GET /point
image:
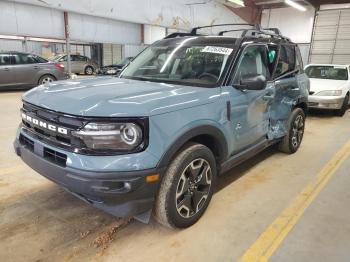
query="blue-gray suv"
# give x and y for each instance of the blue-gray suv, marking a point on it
(154, 139)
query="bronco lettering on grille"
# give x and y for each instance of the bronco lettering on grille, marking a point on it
(43, 124)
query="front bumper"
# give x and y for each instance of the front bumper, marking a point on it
(122, 194)
(325, 102)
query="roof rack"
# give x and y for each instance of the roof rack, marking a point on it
(265, 31)
(256, 31)
(194, 30)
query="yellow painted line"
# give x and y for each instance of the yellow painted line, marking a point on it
(10, 170)
(272, 237)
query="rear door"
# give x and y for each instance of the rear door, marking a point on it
(290, 86)
(81, 62)
(26, 68)
(7, 74)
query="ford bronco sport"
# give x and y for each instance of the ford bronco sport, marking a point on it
(154, 139)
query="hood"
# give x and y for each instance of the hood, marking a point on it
(317, 85)
(111, 96)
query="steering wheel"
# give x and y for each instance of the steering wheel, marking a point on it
(208, 75)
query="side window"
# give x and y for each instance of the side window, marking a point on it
(253, 61)
(81, 58)
(286, 62)
(5, 59)
(272, 57)
(299, 61)
(23, 59)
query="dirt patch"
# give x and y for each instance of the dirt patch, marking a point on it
(107, 236)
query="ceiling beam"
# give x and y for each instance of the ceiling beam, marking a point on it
(251, 13)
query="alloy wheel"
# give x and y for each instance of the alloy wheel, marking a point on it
(89, 71)
(47, 80)
(193, 188)
(297, 131)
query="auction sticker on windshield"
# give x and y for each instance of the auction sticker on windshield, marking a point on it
(217, 50)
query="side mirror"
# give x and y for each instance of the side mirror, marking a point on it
(253, 82)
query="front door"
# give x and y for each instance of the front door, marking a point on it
(249, 108)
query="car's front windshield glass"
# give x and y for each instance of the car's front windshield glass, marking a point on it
(327, 72)
(199, 65)
(124, 61)
(55, 58)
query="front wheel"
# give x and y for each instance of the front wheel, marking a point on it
(342, 110)
(186, 188)
(46, 79)
(89, 70)
(295, 132)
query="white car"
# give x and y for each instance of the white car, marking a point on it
(329, 87)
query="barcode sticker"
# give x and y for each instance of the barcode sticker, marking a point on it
(217, 50)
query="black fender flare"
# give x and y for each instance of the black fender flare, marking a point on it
(179, 142)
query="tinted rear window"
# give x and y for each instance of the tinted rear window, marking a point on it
(21, 59)
(327, 72)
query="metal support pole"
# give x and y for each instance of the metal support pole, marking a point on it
(66, 30)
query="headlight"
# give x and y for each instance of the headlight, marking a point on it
(330, 93)
(111, 136)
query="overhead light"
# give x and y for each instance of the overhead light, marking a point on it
(295, 5)
(237, 2)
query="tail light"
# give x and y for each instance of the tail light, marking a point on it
(60, 66)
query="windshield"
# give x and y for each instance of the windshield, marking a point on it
(125, 61)
(56, 58)
(327, 72)
(180, 64)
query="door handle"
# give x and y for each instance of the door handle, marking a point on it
(268, 97)
(6, 69)
(36, 67)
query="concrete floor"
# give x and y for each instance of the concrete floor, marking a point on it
(41, 222)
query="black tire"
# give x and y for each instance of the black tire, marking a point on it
(46, 79)
(89, 70)
(179, 193)
(295, 126)
(342, 110)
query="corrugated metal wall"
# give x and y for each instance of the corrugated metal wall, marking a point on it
(13, 45)
(101, 30)
(112, 54)
(132, 50)
(29, 20)
(331, 37)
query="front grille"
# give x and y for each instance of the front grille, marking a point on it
(58, 118)
(35, 118)
(55, 157)
(53, 137)
(28, 143)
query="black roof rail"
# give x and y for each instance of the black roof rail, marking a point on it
(221, 33)
(275, 30)
(256, 31)
(194, 30)
(173, 35)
